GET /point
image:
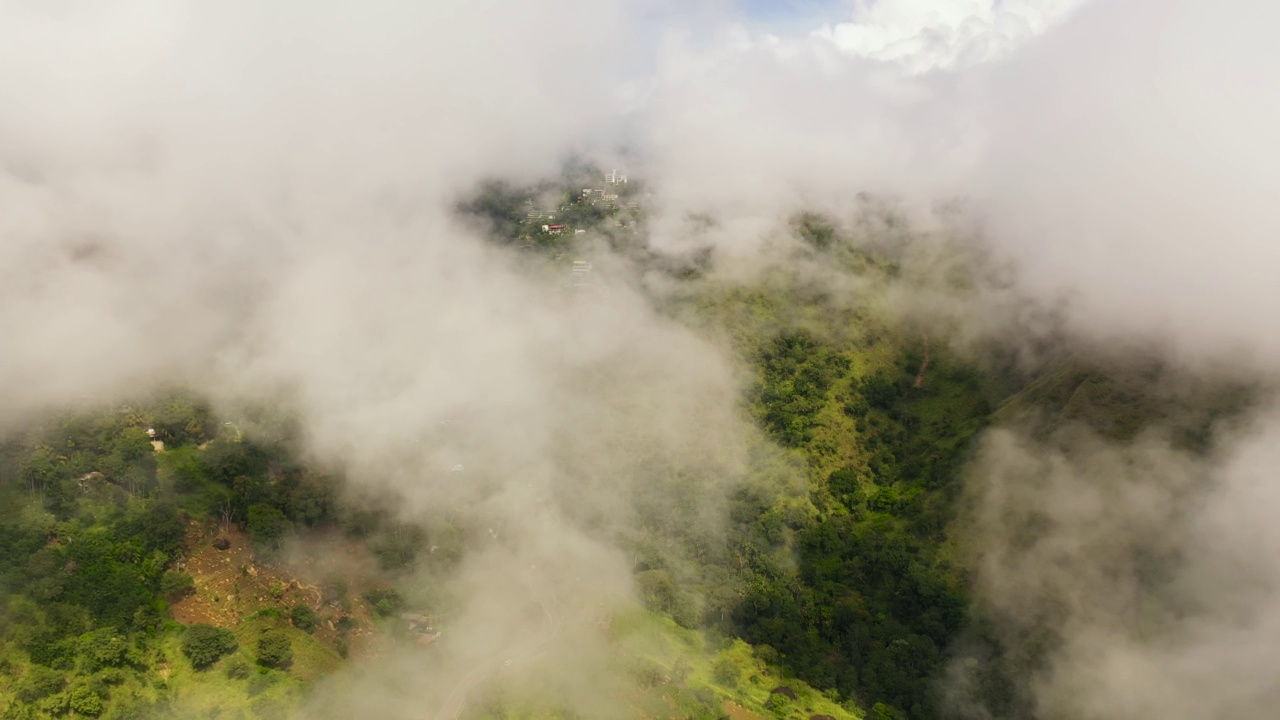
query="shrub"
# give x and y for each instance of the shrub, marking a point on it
(777, 704)
(55, 704)
(767, 654)
(238, 669)
(303, 617)
(260, 682)
(174, 584)
(881, 711)
(274, 649)
(103, 648)
(649, 675)
(85, 701)
(880, 392)
(110, 676)
(204, 645)
(40, 682)
(657, 590)
(384, 601)
(726, 672)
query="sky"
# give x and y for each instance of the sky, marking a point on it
(918, 35)
(793, 14)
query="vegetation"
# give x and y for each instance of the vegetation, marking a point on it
(384, 601)
(204, 645)
(872, 604)
(275, 650)
(93, 523)
(303, 617)
(176, 584)
(687, 673)
(238, 669)
(834, 576)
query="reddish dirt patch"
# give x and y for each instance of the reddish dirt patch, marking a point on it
(231, 585)
(228, 583)
(737, 712)
(924, 365)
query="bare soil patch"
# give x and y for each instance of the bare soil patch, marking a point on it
(737, 712)
(232, 584)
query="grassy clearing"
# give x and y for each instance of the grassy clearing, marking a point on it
(311, 658)
(263, 693)
(658, 670)
(729, 672)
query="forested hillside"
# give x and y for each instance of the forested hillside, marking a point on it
(160, 559)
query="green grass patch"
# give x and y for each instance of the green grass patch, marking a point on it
(723, 671)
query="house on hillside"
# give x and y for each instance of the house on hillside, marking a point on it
(535, 213)
(553, 229)
(420, 625)
(416, 623)
(579, 270)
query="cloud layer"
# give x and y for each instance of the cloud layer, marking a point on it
(924, 35)
(255, 198)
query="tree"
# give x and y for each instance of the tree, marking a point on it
(40, 469)
(130, 462)
(158, 527)
(175, 584)
(205, 644)
(225, 460)
(726, 672)
(657, 590)
(182, 421)
(275, 649)
(778, 705)
(267, 525)
(40, 682)
(84, 701)
(384, 601)
(226, 514)
(104, 648)
(881, 711)
(303, 617)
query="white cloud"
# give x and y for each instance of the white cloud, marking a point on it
(924, 35)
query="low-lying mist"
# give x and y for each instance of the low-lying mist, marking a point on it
(260, 202)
